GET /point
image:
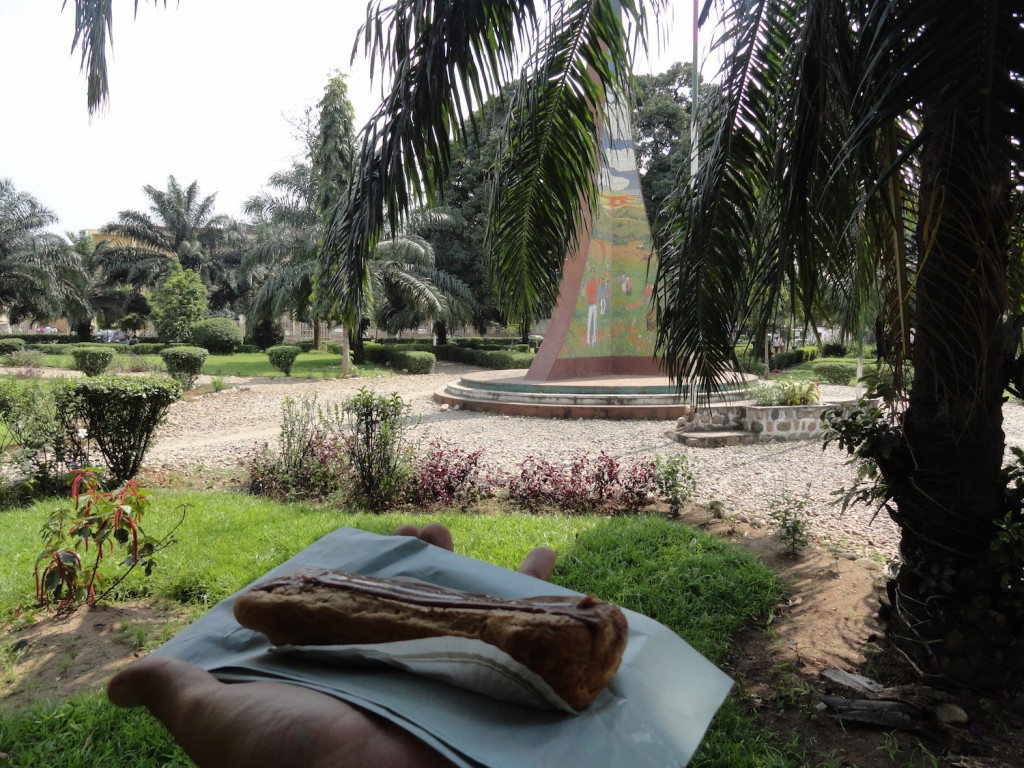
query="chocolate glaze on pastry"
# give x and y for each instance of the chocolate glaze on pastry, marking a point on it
(574, 643)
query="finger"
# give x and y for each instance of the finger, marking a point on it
(438, 535)
(539, 563)
(158, 685)
(406, 530)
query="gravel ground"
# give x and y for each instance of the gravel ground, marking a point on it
(218, 430)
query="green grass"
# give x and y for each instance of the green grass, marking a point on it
(701, 587)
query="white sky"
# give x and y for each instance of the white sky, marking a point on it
(200, 90)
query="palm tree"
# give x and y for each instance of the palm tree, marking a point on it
(180, 223)
(38, 270)
(283, 257)
(872, 149)
(406, 287)
(866, 146)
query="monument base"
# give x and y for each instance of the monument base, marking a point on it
(599, 397)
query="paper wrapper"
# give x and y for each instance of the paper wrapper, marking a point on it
(460, 661)
(654, 712)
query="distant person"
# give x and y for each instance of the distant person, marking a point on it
(592, 289)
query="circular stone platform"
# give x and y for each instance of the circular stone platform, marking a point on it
(599, 397)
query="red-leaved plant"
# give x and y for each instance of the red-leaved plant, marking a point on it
(100, 521)
(448, 475)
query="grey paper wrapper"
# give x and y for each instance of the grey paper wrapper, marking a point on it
(654, 713)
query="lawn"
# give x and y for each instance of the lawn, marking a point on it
(703, 588)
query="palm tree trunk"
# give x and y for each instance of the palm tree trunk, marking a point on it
(346, 364)
(951, 613)
(316, 333)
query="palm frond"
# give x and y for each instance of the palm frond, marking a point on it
(437, 57)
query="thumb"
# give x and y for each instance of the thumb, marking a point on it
(161, 685)
(539, 563)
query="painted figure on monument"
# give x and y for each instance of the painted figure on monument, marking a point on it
(604, 321)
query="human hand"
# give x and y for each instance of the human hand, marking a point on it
(279, 725)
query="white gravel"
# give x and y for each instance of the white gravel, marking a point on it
(219, 430)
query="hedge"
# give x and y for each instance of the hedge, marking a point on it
(11, 345)
(414, 358)
(793, 357)
(835, 373)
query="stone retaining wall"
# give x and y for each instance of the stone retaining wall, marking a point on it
(773, 422)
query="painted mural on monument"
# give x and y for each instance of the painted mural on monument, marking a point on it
(614, 315)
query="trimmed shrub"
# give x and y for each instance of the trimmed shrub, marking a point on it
(120, 414)
(833, 349)
(217, 335)
(419, 362)
(92, 360)
(246, 349)
(184, 364)
(755, 367)
(147, 348)
(835, 373)
(414, 358)
(504, 359)
(782, 360)
(305, 345)
(283, 357)
(7, 346)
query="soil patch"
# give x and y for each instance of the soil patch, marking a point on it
(829, 619)
(61, 654)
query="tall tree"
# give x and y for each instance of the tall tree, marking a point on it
(661, 124)
(181, 225)
(38, 270)
(874, 148)
(281, 262)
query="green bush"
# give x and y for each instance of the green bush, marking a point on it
(283, 357)
(793, 357)
(306, 345)
(147, 348)
(264, 334)
(217, 335)
(11, 345)
(378, 450)
(833, 349)
(501, 359)
(48, 349)
(419, 362)
(184, 364)
(246, 349)
(755, 367)
(120, 414)
(835, 373)
(92, 360)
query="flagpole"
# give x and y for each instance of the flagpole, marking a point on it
(694, 83)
